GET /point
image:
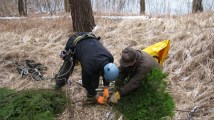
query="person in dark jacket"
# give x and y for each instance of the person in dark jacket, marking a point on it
(95, 61)
(134, 65)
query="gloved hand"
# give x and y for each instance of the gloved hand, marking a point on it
(63, 54)
(105, 92)
(115, 97)
(101, 99)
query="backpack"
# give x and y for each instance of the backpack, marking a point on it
(158, 50)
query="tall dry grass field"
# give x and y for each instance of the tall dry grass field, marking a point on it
(190, 63)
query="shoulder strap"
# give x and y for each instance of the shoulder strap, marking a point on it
(82, 37)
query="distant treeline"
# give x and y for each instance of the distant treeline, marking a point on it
(24, 7)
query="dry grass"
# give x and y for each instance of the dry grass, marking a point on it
(36, 39)
(190, 63)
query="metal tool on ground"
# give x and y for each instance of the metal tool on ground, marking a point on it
(31, 69)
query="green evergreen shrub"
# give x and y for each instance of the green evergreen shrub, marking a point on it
(31, 104)
(149, 102)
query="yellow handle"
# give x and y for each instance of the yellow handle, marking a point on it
(117, 95)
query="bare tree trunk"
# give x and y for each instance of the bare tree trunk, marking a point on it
(22, 7)
(82, 16)
(48, 3)
(67, 5)
(197, 6)
(25, 7)
(142, 6)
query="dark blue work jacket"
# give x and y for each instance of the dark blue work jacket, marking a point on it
(93, 56)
